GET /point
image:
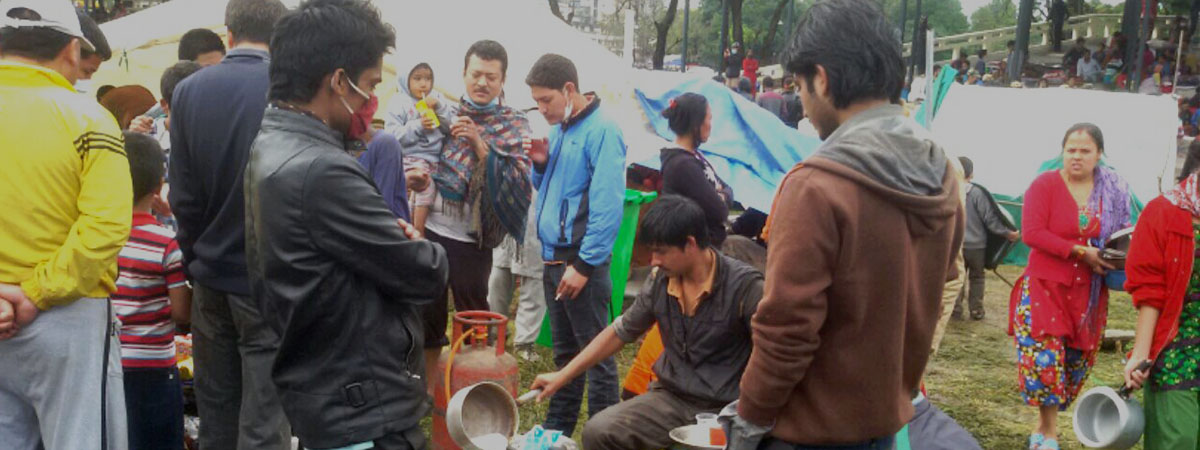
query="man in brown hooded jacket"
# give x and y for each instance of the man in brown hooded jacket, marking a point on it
(863, 235)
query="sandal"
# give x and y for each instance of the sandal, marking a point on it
(1049, 444)
(1036, 440)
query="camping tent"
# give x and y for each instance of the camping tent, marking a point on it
(1012, 135)
(437, 32)
(749, 147)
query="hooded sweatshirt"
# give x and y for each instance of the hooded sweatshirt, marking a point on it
(404, 122)
(864, 235)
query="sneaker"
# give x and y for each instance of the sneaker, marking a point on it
(977, 315)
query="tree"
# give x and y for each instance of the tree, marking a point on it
(662, 28)
(735, 22)
(997, 14)
(557, 13)
(945, 16)
(768, 46)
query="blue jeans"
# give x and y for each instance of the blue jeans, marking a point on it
(887, 443)
(574, 323)
(154, 406)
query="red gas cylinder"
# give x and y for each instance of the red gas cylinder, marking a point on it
(471, 360)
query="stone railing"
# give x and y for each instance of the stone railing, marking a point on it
(1087, 26)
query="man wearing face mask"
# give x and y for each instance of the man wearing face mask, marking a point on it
(336, 274)
(215, 114)
(67, 209)
(580, 177)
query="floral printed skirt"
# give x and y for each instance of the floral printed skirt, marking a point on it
(1050, 373)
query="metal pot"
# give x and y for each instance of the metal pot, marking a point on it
(1108, 418)
(479, 410)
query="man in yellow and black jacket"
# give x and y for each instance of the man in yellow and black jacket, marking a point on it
(65, 210)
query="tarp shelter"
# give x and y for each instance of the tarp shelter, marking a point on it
(749, 147)
(437, 32)
(1012, 135)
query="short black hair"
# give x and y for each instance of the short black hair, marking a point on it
(488, 50)
(36, 43)
(768, 83)
(1012, 43)
(253, 20)
(552, 71)
(320, 37)
(686, 115)
(103, 90)
(1092, 131)
(92, 32)
(854, 42)
(670, 220)
(173, 75)
(967, 165)
(199, 41)
(982, 52)
(147, 164)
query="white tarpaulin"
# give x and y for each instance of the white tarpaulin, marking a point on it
(437, 32)
(1008, 133)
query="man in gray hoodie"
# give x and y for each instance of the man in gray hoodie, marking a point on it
(983, 219)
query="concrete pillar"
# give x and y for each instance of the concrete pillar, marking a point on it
(956, 54)
(630, 24)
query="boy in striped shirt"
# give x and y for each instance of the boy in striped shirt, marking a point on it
(152, 296)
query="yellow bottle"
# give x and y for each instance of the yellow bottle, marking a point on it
(426, 111)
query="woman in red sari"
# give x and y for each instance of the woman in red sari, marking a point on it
(1059, 306)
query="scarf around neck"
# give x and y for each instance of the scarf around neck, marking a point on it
(506, 167)
(1110, 196)
(1184, 195)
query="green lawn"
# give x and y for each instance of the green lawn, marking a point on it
(973, 378)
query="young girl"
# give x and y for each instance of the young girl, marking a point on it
(420, 136)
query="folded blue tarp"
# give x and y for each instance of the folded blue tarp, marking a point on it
(749, 147)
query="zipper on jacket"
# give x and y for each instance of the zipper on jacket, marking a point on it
(562, 221)
(412, 344)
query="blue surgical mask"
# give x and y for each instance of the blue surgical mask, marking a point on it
(494, 102)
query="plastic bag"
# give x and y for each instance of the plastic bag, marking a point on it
(542, 439)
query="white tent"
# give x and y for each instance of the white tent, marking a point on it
(1009, 133)
(437, 32)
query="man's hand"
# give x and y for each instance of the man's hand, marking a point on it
(409, 230)
(416, 180)
(465, 128)
(160, 206)
(141, 124)
(571, 285)
(1014, 236)
(549, 383)
(538, 150)
(431, 101)
(23, 308)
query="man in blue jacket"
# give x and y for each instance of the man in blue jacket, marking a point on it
(215, 115)
(580, 178)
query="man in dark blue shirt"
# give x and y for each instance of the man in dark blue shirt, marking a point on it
(215, 115)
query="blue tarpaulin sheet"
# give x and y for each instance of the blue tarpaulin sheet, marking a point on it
(749, 147)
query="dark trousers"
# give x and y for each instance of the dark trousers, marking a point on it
(644, 421)
(154, 408)
(974, 259)
(574, 323)
(887, 443)
(470, 268)
(233, 349)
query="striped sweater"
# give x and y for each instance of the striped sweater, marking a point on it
(149, 265)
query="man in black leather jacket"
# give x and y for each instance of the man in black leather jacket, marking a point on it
(330, 267)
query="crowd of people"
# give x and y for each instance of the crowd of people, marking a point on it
(314, 256)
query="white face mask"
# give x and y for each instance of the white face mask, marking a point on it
(83, 86)
(569, 109)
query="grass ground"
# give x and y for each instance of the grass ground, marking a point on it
(972, 378)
